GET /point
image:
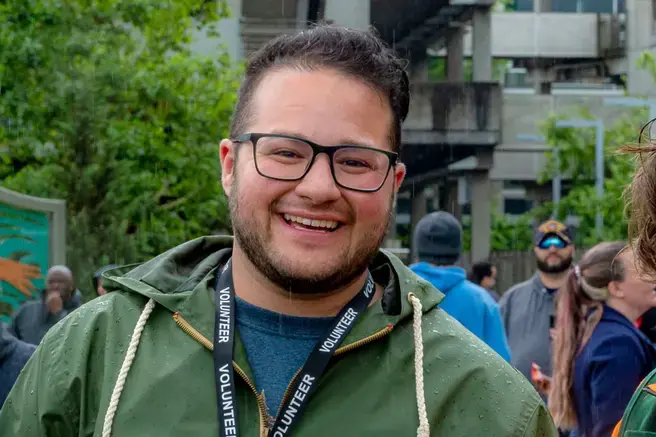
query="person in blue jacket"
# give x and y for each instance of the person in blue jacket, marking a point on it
(600, 356)
(438, 246)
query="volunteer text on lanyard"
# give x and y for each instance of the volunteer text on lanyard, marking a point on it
(307, 380)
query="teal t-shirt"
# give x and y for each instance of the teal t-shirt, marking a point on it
(276, 346)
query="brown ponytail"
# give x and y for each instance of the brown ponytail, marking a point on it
(579, 309)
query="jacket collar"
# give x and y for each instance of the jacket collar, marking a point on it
(613, 316)
(391, 309)
(537, 283)
(182, 281)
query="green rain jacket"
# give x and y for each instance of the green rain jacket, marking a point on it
(639, 418)
(368, 388)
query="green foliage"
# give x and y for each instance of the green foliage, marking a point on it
(505, 5)
(576, 160)
(647, 62)
(102, 104)
(576, 148)
(508, 234)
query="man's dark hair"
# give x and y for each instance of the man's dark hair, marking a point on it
(478, 271)
(358, 54)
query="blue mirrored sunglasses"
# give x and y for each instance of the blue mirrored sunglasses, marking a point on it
(556, 242)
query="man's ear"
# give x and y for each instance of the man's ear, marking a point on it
(399, 175)
(227, 150)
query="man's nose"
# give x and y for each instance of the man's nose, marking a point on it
(318, 185)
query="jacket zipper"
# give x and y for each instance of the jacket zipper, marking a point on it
(193, 333)
(340, 351)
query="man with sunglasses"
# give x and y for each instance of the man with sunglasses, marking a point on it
(528, 308)
(300, 325)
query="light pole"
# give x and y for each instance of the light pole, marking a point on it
(557, 180)
(598, 124)
(634, 102)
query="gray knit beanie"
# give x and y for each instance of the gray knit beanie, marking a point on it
(438, 238)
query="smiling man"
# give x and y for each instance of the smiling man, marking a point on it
(300, 325)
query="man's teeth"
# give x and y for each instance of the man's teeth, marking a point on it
(328, 224)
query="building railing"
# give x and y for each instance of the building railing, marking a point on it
(455, 107)
(256, 32)
(528, 35)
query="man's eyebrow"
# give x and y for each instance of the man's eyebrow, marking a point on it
(287, 132)
(354, 142)
(342, 141)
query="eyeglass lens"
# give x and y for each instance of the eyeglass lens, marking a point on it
(288, 159)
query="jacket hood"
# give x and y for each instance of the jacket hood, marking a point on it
(170, 278)
(442, 278)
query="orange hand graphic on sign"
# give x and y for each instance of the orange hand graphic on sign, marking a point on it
(19, 275)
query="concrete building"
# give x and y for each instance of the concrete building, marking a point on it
(449, 121)
(460, 139)
(560, 55)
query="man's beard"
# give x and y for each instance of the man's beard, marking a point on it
(560, 267)
(252, 241)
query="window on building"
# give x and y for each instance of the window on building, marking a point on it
(565, 5)
(403, 204)
(523, 5)
(513, 185)
(514, 206)
(599, 6)
(573, 6)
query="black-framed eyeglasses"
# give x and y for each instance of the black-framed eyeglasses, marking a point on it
(288, 158)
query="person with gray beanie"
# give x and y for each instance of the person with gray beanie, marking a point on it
(437, 243)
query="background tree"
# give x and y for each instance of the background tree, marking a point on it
(505, 5)
(102, 104)
(576, 148)
(577, 160)
(507, 235)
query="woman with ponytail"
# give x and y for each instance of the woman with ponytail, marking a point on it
(600, 357)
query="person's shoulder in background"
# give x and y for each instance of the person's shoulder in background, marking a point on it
(515, 290)
(14, 354)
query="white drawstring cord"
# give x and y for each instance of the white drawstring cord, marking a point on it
(125, 368)
(423, 430)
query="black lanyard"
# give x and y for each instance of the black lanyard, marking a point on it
(307, 380)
